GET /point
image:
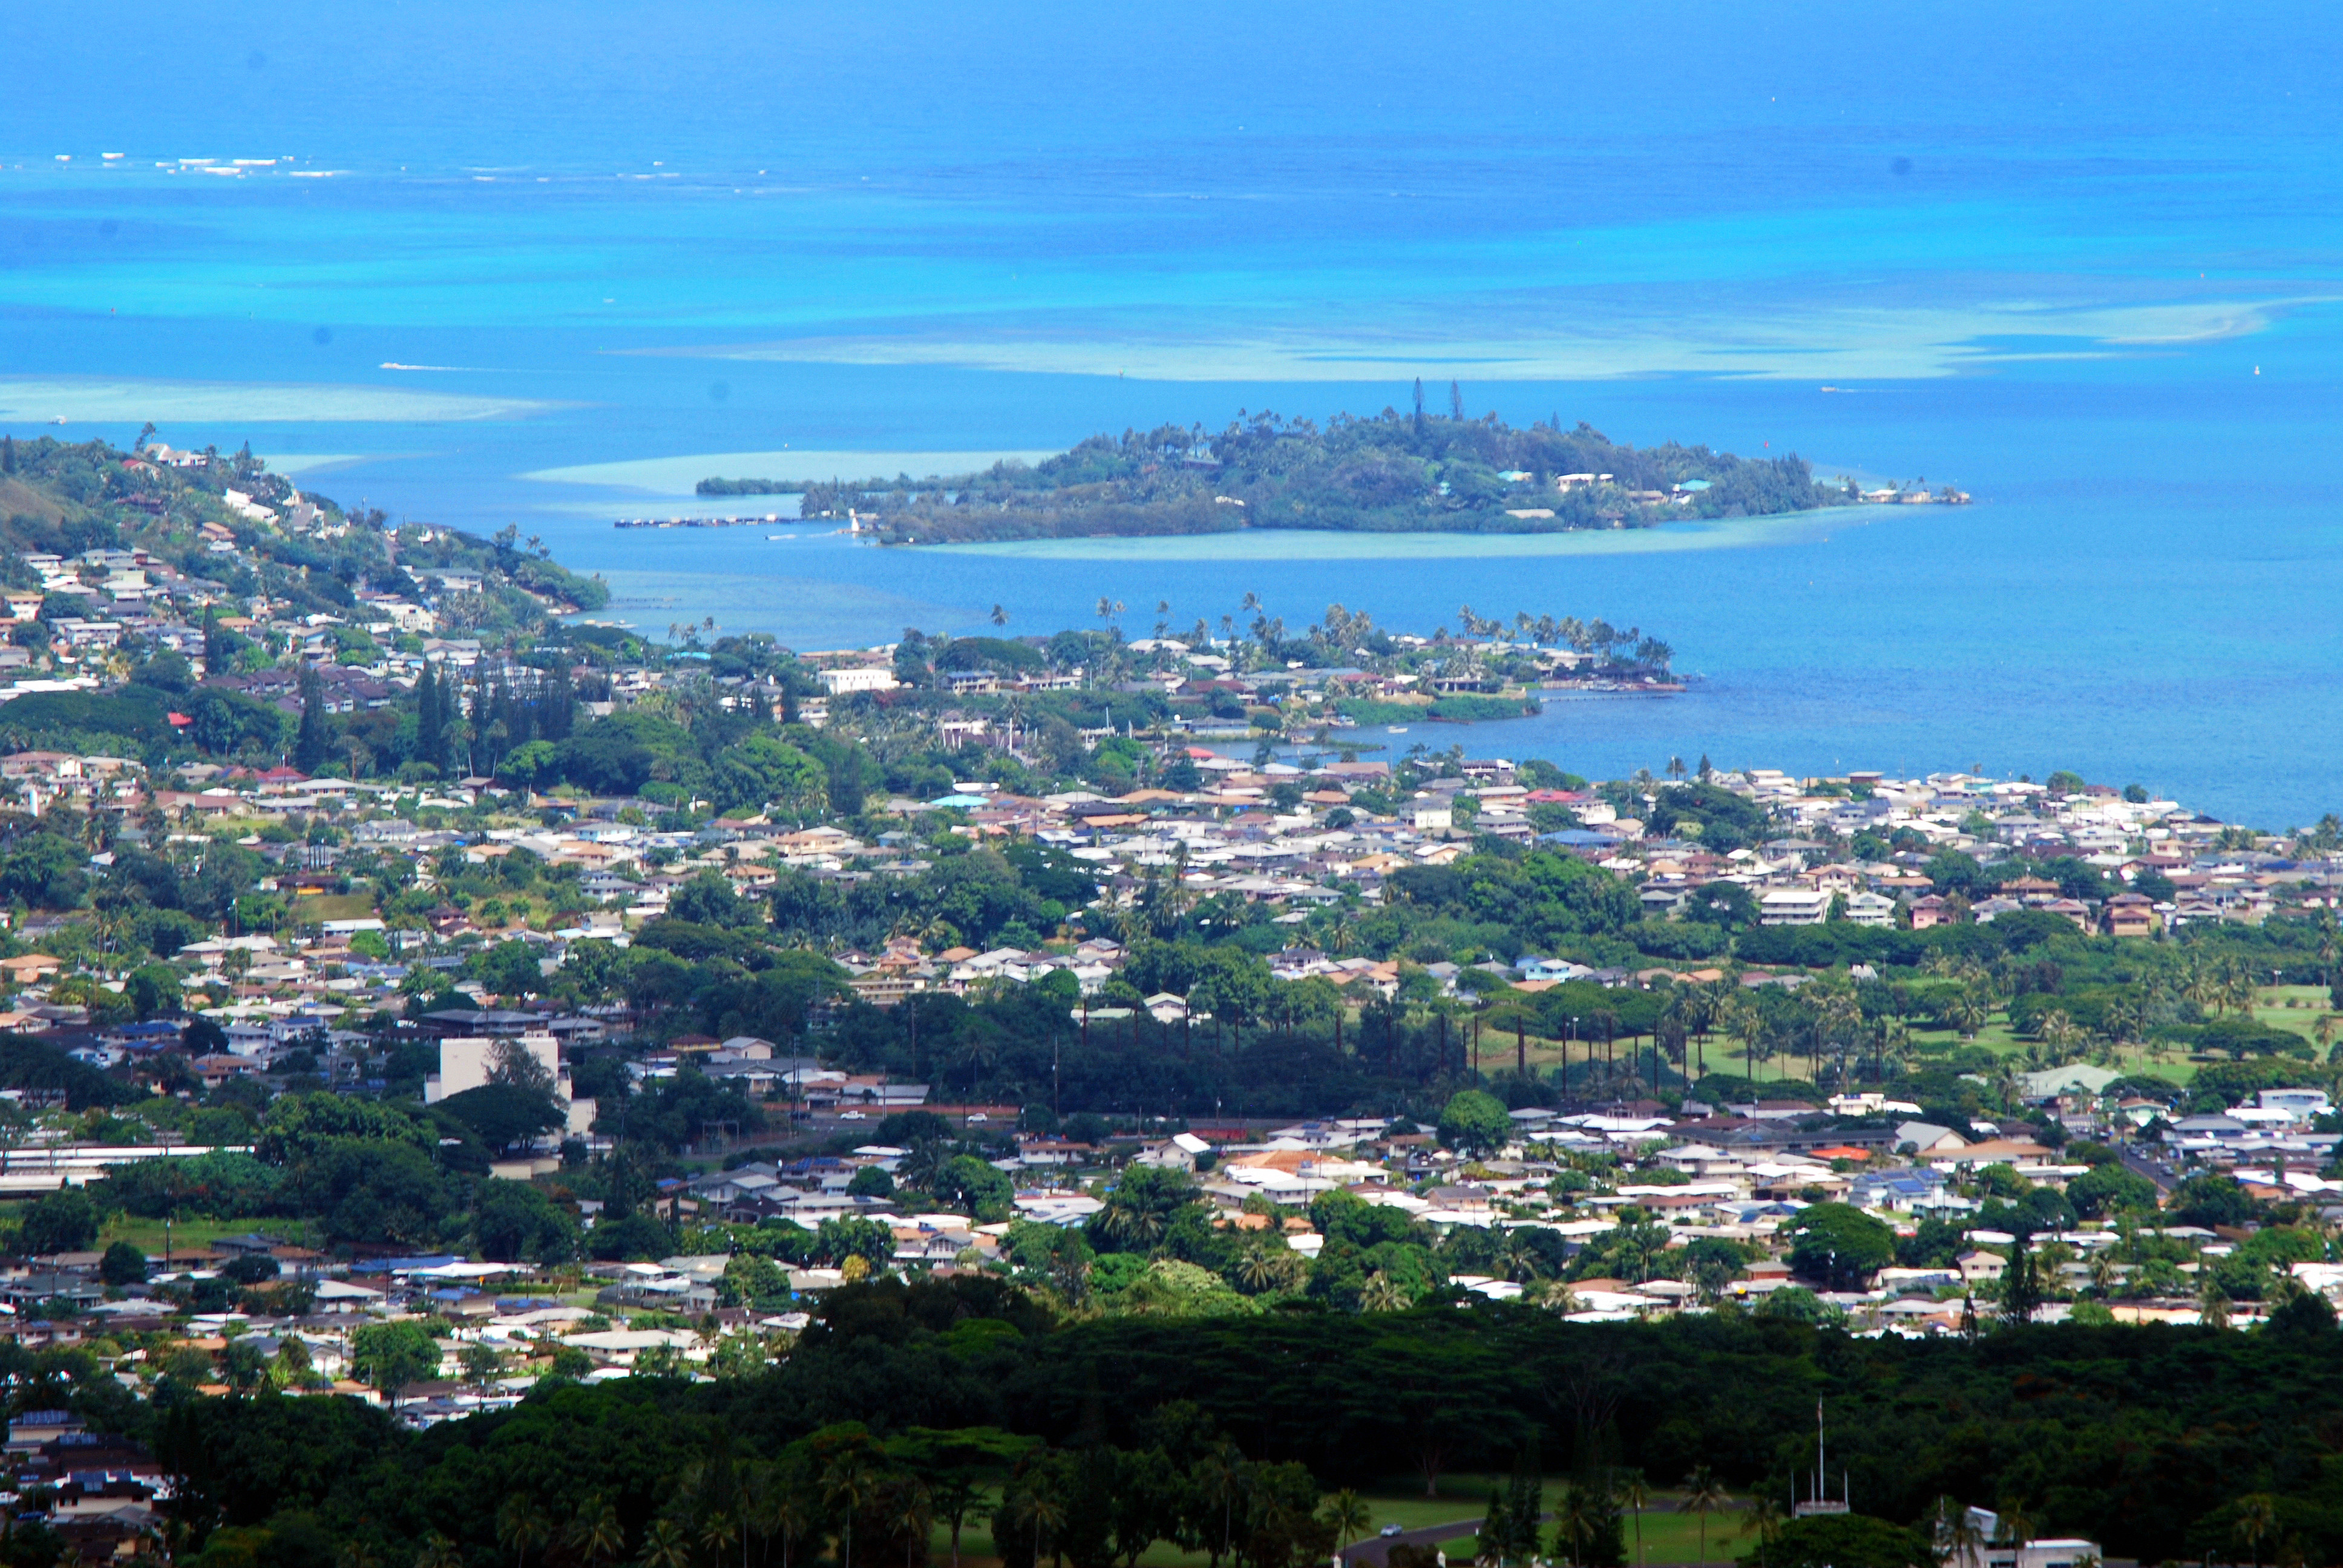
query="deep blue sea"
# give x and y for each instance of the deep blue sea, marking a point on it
(547, 265)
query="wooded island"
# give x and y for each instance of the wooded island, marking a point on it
(1392, 473)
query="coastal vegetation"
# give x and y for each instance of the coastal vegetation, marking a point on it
(1389, 472)
(749, 486)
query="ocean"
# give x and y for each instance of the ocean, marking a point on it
(547, 265)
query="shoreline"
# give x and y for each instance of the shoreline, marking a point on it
(1351, 544)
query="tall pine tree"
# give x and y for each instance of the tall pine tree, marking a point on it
(309, 744)
(427, 716)
(560, 705)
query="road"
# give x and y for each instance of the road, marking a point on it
(1376, 1550)
(2158, 1170)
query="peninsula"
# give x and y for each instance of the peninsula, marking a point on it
(1393, 473)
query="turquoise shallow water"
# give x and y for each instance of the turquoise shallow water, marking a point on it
(2081, 264)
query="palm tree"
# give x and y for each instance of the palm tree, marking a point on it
(1256, 1271)
(1700, 1006)
(437, 1552)
(911, 1510)
(1959, 1542)
(1630, 1492)
(1133, 1222)
(522, 1527)
(2060, 1034)
(1520, 1260)
(778, 1506)
(2200, 985)
(2016, 1526)
(1382, 1294)
(1741, 1021)
(1575, 1521)
(665, 1545)
(1223, 1474)
(982, 1052)
(1967, 1011)
(1705, 1495)
(2236, 987)
(1040, 1507)
(716, 1532)
(1348, 1515)
(596, 1535)
(2257, 1522)
(845, 1484)
(2213, 1304)
(1765, 1520)
(2125, 1017)
(924, 1162)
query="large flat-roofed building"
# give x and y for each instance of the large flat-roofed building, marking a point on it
(468, 1061)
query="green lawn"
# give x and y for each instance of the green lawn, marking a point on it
(1668, 1538)
(334, 907)
(1996, 1038)
(195, 1235)
(2310, 1004)
(1675, 1537)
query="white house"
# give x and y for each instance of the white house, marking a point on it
(1793, 907)
(2299, 1104)
(1869, 909)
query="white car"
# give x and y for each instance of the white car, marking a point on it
(1388, 1530)
(852, 1116)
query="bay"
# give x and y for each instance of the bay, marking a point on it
(2082, 263)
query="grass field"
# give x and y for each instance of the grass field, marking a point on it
(1721, 1054)
(2309, 1002)
(195, 1235)
(1668, 1538)
(334, 907)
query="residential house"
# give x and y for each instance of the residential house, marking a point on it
(1793, 907)
(1870, 909)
